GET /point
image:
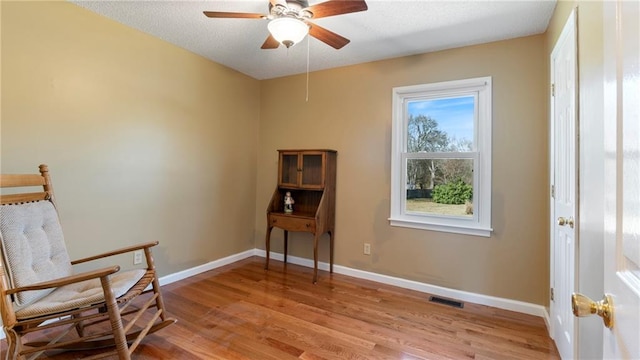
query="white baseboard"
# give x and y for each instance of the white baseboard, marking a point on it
(547, 322)
(500, 303)
(180, 275)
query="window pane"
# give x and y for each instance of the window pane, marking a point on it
(440, 187)
(441, 125)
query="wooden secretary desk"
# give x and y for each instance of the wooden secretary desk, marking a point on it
(310, 177)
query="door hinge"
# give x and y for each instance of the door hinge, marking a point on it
(553, 191)
(552, 296)
(553, 89)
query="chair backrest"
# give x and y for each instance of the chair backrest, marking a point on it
(31, 240)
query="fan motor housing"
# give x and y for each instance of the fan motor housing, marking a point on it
(294, 8)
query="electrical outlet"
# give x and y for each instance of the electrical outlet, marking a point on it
(367, 249)
(137, 257)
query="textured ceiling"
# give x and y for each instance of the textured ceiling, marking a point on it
(388, 29)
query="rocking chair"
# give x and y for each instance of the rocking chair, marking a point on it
(41, 296)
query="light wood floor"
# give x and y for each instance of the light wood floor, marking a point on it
(242, 312)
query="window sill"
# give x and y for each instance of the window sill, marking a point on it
(456, 229)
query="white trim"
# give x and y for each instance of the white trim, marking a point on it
(181, 275)
(500, 303)
(547, 322)
(458, 229)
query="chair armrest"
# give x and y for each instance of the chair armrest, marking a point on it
(116, 252)
(88, 275)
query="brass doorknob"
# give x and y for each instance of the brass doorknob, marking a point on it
(562, 221)
(583, 306)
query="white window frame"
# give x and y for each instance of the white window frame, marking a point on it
(480, 223)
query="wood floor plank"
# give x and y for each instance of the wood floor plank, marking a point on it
(241, 311)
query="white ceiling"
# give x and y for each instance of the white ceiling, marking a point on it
(388, 29)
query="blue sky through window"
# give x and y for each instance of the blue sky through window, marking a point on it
(454, 115)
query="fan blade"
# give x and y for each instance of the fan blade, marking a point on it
(234, 15)
(336, 7)
(270, 43)
(328, 37)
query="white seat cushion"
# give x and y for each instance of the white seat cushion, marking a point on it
(79, 295)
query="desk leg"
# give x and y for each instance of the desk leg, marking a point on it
(331, 242)
(286, 245)
(268, 246)
(315, 257)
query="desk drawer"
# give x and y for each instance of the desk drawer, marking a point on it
(291, 223)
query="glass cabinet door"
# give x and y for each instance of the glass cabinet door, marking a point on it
(312, 170)
(289, 169)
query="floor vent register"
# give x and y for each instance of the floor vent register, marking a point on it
(444, 301)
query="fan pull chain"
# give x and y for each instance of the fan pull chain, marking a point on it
(308, 46)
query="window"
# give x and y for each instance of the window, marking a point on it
(441, 157)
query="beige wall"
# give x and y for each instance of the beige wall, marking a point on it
(145, 141)
(349, 109)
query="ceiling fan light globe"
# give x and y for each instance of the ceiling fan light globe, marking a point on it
(288, 31)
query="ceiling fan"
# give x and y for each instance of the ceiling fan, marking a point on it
(289, 20)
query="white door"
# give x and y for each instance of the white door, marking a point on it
(563, 183)
(622, 177)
